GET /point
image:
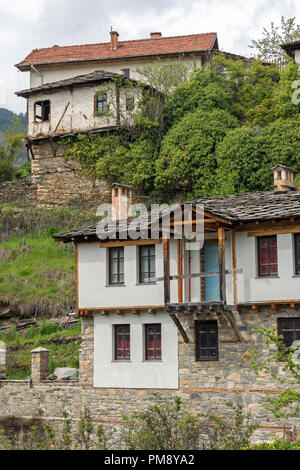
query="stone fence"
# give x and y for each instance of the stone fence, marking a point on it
(16, 190)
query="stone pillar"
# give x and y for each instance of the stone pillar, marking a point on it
(39, 364)
(2, 360)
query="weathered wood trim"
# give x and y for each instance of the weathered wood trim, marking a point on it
(269, 225)
(77, 279)
(179, 269)
(221, 244)
(117, 243)
(166, 251)
(120, 310)
(234, 326)
(234, 267)
(180, 327)
(275, 231)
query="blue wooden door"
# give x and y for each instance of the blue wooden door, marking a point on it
(211, 264)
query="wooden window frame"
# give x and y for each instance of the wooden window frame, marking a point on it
(119, 273)
(124, 335)
(101, 98)
(157, 351)
(125, 73)
(297, 258)
(130, 104)
(280, 329)
(199, 358)
(259, 265)
(42, 105)
(141, 249)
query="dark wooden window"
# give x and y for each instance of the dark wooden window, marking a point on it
(207, 341)
(125, 73)
(267, 256)
(116, 265)
(42, 111)
(146, 263)
(289, 328)
(122, 342)
(297, 253)
(130, 103)
(153, 342)
(101, 104)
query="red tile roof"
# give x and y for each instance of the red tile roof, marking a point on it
(126, 49)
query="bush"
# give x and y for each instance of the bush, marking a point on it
(47, 327)
(6, 171)
(278, 444)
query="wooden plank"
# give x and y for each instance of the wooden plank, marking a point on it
(166, 251)
(179, 268)
(275, 231)
(76, 280)
(64, 112)
(261, 226)
(221, 244)
(180, 327)
(117, 243)
(234, 326)
(234, 264)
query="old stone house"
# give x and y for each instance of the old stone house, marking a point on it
(61, 100)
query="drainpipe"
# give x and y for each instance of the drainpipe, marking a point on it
(40, 73)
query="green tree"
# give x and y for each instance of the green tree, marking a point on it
(187, 161)
(268, 46)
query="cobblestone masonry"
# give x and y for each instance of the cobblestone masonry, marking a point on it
(203, 386)
(58, 179)
(14, 190)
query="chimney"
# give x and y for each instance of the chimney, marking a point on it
(283, 178)
(114, 40)
(155, 35)
(121, 201)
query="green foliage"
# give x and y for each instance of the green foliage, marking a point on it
(286, 403)
(47, 327)
(6, 170)
(187, 158)
(24, 171)
(277, 444)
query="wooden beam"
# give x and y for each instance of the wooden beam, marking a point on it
(166, 251)
(221, 244)
(179, 269)
(76, 280)
(234, 326)
(278, 231)
(180, 327)
(234, 264)
(117, 243)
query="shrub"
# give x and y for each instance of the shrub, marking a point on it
(47, 327)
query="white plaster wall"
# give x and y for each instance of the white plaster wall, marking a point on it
(297, 56)
(94, 291)
(136, 373)
(252, 288)
(79, 115)
(61, 72)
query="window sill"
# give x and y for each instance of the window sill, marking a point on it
(148, 283)
(115, 285)
(296, 275)
(121, 361)
(267, 277)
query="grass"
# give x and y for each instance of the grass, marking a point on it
(19, 347)
(37, 275)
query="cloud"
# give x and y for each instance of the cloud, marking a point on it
(25, 25)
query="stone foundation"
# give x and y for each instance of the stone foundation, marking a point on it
(203, 386)
(59, 180)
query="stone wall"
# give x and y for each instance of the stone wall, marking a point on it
(203, 386)
(59, 180)
(15, 190)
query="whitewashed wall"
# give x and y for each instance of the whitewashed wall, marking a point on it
(253, 288)
(79, 115)
(55, 73)
(94, 291)
(136, 373)
(297, 56)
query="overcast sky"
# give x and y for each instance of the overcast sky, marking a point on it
(30, 24)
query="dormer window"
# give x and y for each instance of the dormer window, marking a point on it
(42, 111)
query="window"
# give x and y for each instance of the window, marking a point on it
(289, 328)
(122, 342)
(42, 111)
(125, 73)
(267, 256)
(153, 342)
(297, 253)
(130, 103)
(101, 105)
(146, 263)
(207, 341)
(116, 265)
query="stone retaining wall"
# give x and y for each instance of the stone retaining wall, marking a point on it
(15, 190)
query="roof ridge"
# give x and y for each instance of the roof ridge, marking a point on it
(121, 42)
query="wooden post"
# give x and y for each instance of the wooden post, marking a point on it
(221, 241)
(179, 265)
(166, 245)
(234, 267)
